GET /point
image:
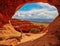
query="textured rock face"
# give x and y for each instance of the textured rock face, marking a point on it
(54, 27)
(7, 8)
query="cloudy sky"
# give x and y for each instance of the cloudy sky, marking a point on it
(36, 11)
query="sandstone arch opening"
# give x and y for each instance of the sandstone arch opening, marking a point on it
(39, 13)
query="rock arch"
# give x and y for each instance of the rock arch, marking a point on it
(9, 7)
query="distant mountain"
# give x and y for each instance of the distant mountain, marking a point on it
(40, 20)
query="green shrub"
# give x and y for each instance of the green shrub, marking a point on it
(34, 30)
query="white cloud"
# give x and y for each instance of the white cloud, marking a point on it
(41, 13)
(48, 12)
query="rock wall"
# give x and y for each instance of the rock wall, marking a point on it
(54, 27)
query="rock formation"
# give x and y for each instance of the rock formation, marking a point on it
(9, 7)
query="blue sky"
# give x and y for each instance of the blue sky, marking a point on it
(36, 11)
(31, 6)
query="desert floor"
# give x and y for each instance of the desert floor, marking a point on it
(42, 23)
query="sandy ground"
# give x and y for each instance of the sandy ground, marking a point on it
(32, 37)
(41, 23)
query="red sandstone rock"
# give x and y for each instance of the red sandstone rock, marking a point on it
(25, 25)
